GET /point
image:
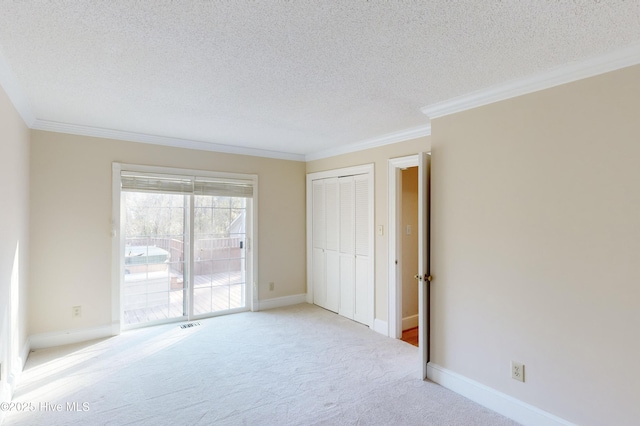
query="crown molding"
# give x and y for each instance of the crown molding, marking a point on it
(566, 74)
(387, 139)
(74, 129)
(15, 93)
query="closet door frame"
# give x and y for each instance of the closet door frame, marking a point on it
(366, 169)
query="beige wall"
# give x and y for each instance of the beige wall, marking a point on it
(409, 242)
(14, 242)
(71, 222)
(536, 247)
(379, 157)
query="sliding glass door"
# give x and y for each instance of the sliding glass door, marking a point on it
(184, 246)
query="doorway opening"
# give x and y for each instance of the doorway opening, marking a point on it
(400, 315)
(407, 237)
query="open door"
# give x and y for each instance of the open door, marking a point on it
(423, 162)
(424, 276)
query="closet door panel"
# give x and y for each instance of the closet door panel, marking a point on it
(362, 225)
(319, 286)
(347, 215)
(319, 220)
(331, 214)
(361, 287)
(332, 257)
(347, 247)
(332, 280)
(318, 244)
(347, 285)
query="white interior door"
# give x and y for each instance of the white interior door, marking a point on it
(424, 172)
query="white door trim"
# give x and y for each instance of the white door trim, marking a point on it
(420, 160)
(395, 248)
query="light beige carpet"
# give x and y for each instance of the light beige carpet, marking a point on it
(299, 365)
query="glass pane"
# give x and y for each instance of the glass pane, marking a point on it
(203, 218)
(236, 296)
(220, 295)
(201, 300)
(153, 256)
(221, 202)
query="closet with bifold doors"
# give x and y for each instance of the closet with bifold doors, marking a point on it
(341, 244)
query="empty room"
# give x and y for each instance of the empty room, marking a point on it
(319, 213)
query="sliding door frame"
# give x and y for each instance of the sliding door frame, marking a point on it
(117, 239)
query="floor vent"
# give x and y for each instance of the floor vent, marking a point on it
(190, 324)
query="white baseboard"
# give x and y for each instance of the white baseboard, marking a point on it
(59, 338)
(499, 402)
(279, 302)
(410, 322)
(381, 327)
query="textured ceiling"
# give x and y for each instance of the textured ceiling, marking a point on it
(288, 76)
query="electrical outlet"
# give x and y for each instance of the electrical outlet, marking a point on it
(76, 311)
(272, 285)
(517, 371)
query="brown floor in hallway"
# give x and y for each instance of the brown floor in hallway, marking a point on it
(411, 336)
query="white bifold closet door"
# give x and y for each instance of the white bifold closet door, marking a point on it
(341, 233)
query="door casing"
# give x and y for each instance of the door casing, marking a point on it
(395, 165)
